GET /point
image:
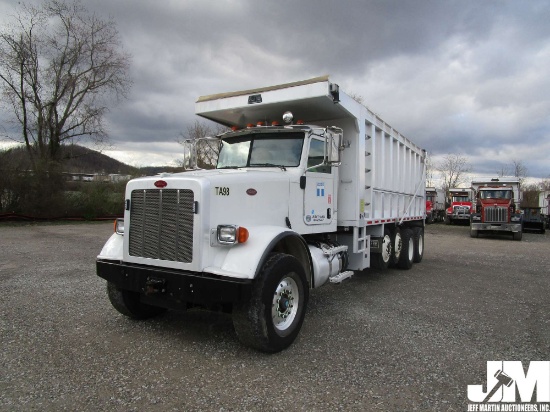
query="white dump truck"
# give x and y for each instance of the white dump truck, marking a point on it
(309, 187)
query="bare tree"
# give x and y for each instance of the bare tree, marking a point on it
(59, 67)
(516, 169)
(520, 171)
(453, 170)
(429, 170)
(503, 171)
(207, 150)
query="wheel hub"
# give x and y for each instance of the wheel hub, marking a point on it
(285, 303)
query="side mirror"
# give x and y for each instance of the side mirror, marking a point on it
(333, 146)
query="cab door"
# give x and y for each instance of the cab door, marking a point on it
(319, 199)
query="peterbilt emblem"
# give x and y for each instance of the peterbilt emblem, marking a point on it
(251, 192)
(160, 184)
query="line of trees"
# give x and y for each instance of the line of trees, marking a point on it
(60, 68)
(454, 171)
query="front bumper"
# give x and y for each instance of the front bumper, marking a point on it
(504, 227)
(459, 216)
(173, 289)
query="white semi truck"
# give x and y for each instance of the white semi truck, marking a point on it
(288, 208)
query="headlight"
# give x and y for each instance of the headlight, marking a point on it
(231, 234)
(119, 226)
(476, 217)
(516, 218)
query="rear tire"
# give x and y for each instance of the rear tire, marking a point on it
(407, 250)
(418, 236)
(271, 320)
(397, 245)
(382, 260)
(128, 303)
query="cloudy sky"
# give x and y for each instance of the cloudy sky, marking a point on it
(463, 77)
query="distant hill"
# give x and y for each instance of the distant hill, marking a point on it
(79, 159)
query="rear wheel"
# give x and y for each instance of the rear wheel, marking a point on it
(128, 303)
(271, 320)
(382, 260)
(418, 237)
(407, 250)
(397, 245)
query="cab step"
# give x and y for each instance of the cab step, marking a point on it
(341, 276)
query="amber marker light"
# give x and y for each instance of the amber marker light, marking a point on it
(243, 234)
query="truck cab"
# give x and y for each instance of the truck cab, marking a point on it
(497, 207)
(460, 206)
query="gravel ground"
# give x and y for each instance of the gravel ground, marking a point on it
(384, 340)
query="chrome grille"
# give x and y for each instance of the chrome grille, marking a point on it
(161, 224)
(461, 210)
(496, 214)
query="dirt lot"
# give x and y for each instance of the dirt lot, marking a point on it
(393, 340)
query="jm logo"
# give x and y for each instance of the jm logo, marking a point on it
(503, 378)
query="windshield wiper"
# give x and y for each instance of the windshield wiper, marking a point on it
(268, 165)
(229, 167)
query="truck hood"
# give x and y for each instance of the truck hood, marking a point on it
(495, 202)
(236, 196)
(469, 204)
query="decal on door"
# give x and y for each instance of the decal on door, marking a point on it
(321, 189)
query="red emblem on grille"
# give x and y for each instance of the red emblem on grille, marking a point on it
(251, 192)
(160, 183)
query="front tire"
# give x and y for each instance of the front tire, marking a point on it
(271, 320)
(517, 235)
(128, 303)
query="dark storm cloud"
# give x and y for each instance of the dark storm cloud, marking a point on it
(467, 77)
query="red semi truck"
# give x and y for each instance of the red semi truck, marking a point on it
(460, 208)
(497, 207)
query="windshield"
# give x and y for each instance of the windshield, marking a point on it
(495, 194)
(460, 199)
(261, 150)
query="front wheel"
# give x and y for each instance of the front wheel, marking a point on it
(517, 235)
(271, 320)
(128, 303)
